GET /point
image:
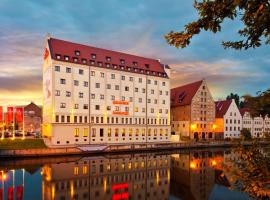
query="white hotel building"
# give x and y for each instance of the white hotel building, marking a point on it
(98, 96)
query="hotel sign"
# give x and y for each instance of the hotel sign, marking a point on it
(120, 102)
(120, 113)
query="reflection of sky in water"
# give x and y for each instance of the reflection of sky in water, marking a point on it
(32, 184)
(223, 193)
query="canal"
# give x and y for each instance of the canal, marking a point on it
(185, 175)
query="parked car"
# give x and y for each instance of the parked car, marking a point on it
(7, 134)
(18, 134)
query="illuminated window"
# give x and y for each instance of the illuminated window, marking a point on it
(76, 170)
(123, 132)
(76, 132)
(161, 132)
(149, 132)
(142, 164)
(85, 169)
(116, 131)
(143, 132)
(109, 167)
(130, 132)
(109, 132)
(137, 132)
(155, 132)
(136, 109)
(85, 132)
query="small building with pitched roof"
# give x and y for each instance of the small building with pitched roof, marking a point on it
(228, 119)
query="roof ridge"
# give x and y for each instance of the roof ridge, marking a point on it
(99, 48)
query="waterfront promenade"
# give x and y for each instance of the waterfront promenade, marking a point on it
(136, 147)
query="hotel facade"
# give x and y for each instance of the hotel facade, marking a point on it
(98, 96)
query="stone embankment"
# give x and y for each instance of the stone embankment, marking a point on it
(101, 149)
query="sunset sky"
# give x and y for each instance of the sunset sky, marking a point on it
(133, 26)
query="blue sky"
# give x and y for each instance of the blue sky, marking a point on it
(133, 26)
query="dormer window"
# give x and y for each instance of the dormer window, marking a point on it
(92, 62)
(122, 67)
(77, 53)
(154, 73)
(164, 75)
(108, 59)
(135, 70)
(147, 65)
(135, 63)
(100, 64)
(142, 71)
(58, 57)
(129, 68)
(107, 65)
(159, 74)
(114, 66)
(147, 72)
(84, 61)
(122, 61)
(66, 58)
(93, 56)
(75, 59)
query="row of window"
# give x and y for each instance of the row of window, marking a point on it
(117, 87)
(233, 121)
(68, 70)
(110, 120)
(232, 128)
(67, 119)
(117, 108)
(114, 66)
(123, 132)
(130, 99)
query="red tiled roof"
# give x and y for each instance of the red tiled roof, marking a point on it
(183, 95)
(144, 65)
(222, 107)
(244, 110)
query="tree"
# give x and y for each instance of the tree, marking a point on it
(245, 134)
(254, 14)
(235, 97)
(260, 104)
(249, 170)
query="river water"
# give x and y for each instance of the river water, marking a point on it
(185, 175)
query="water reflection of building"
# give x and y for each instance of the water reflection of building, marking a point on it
(120, 177)
(194, 174)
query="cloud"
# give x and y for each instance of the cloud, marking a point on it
(135, 27)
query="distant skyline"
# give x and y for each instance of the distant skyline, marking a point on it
(137, 27)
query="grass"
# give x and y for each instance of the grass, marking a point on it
(9, 144)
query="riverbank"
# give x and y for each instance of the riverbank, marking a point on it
(102, 149)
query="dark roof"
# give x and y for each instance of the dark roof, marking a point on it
(222, 107)
(33, 107)
(183, 95)
(83, 54)
(244, 110)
